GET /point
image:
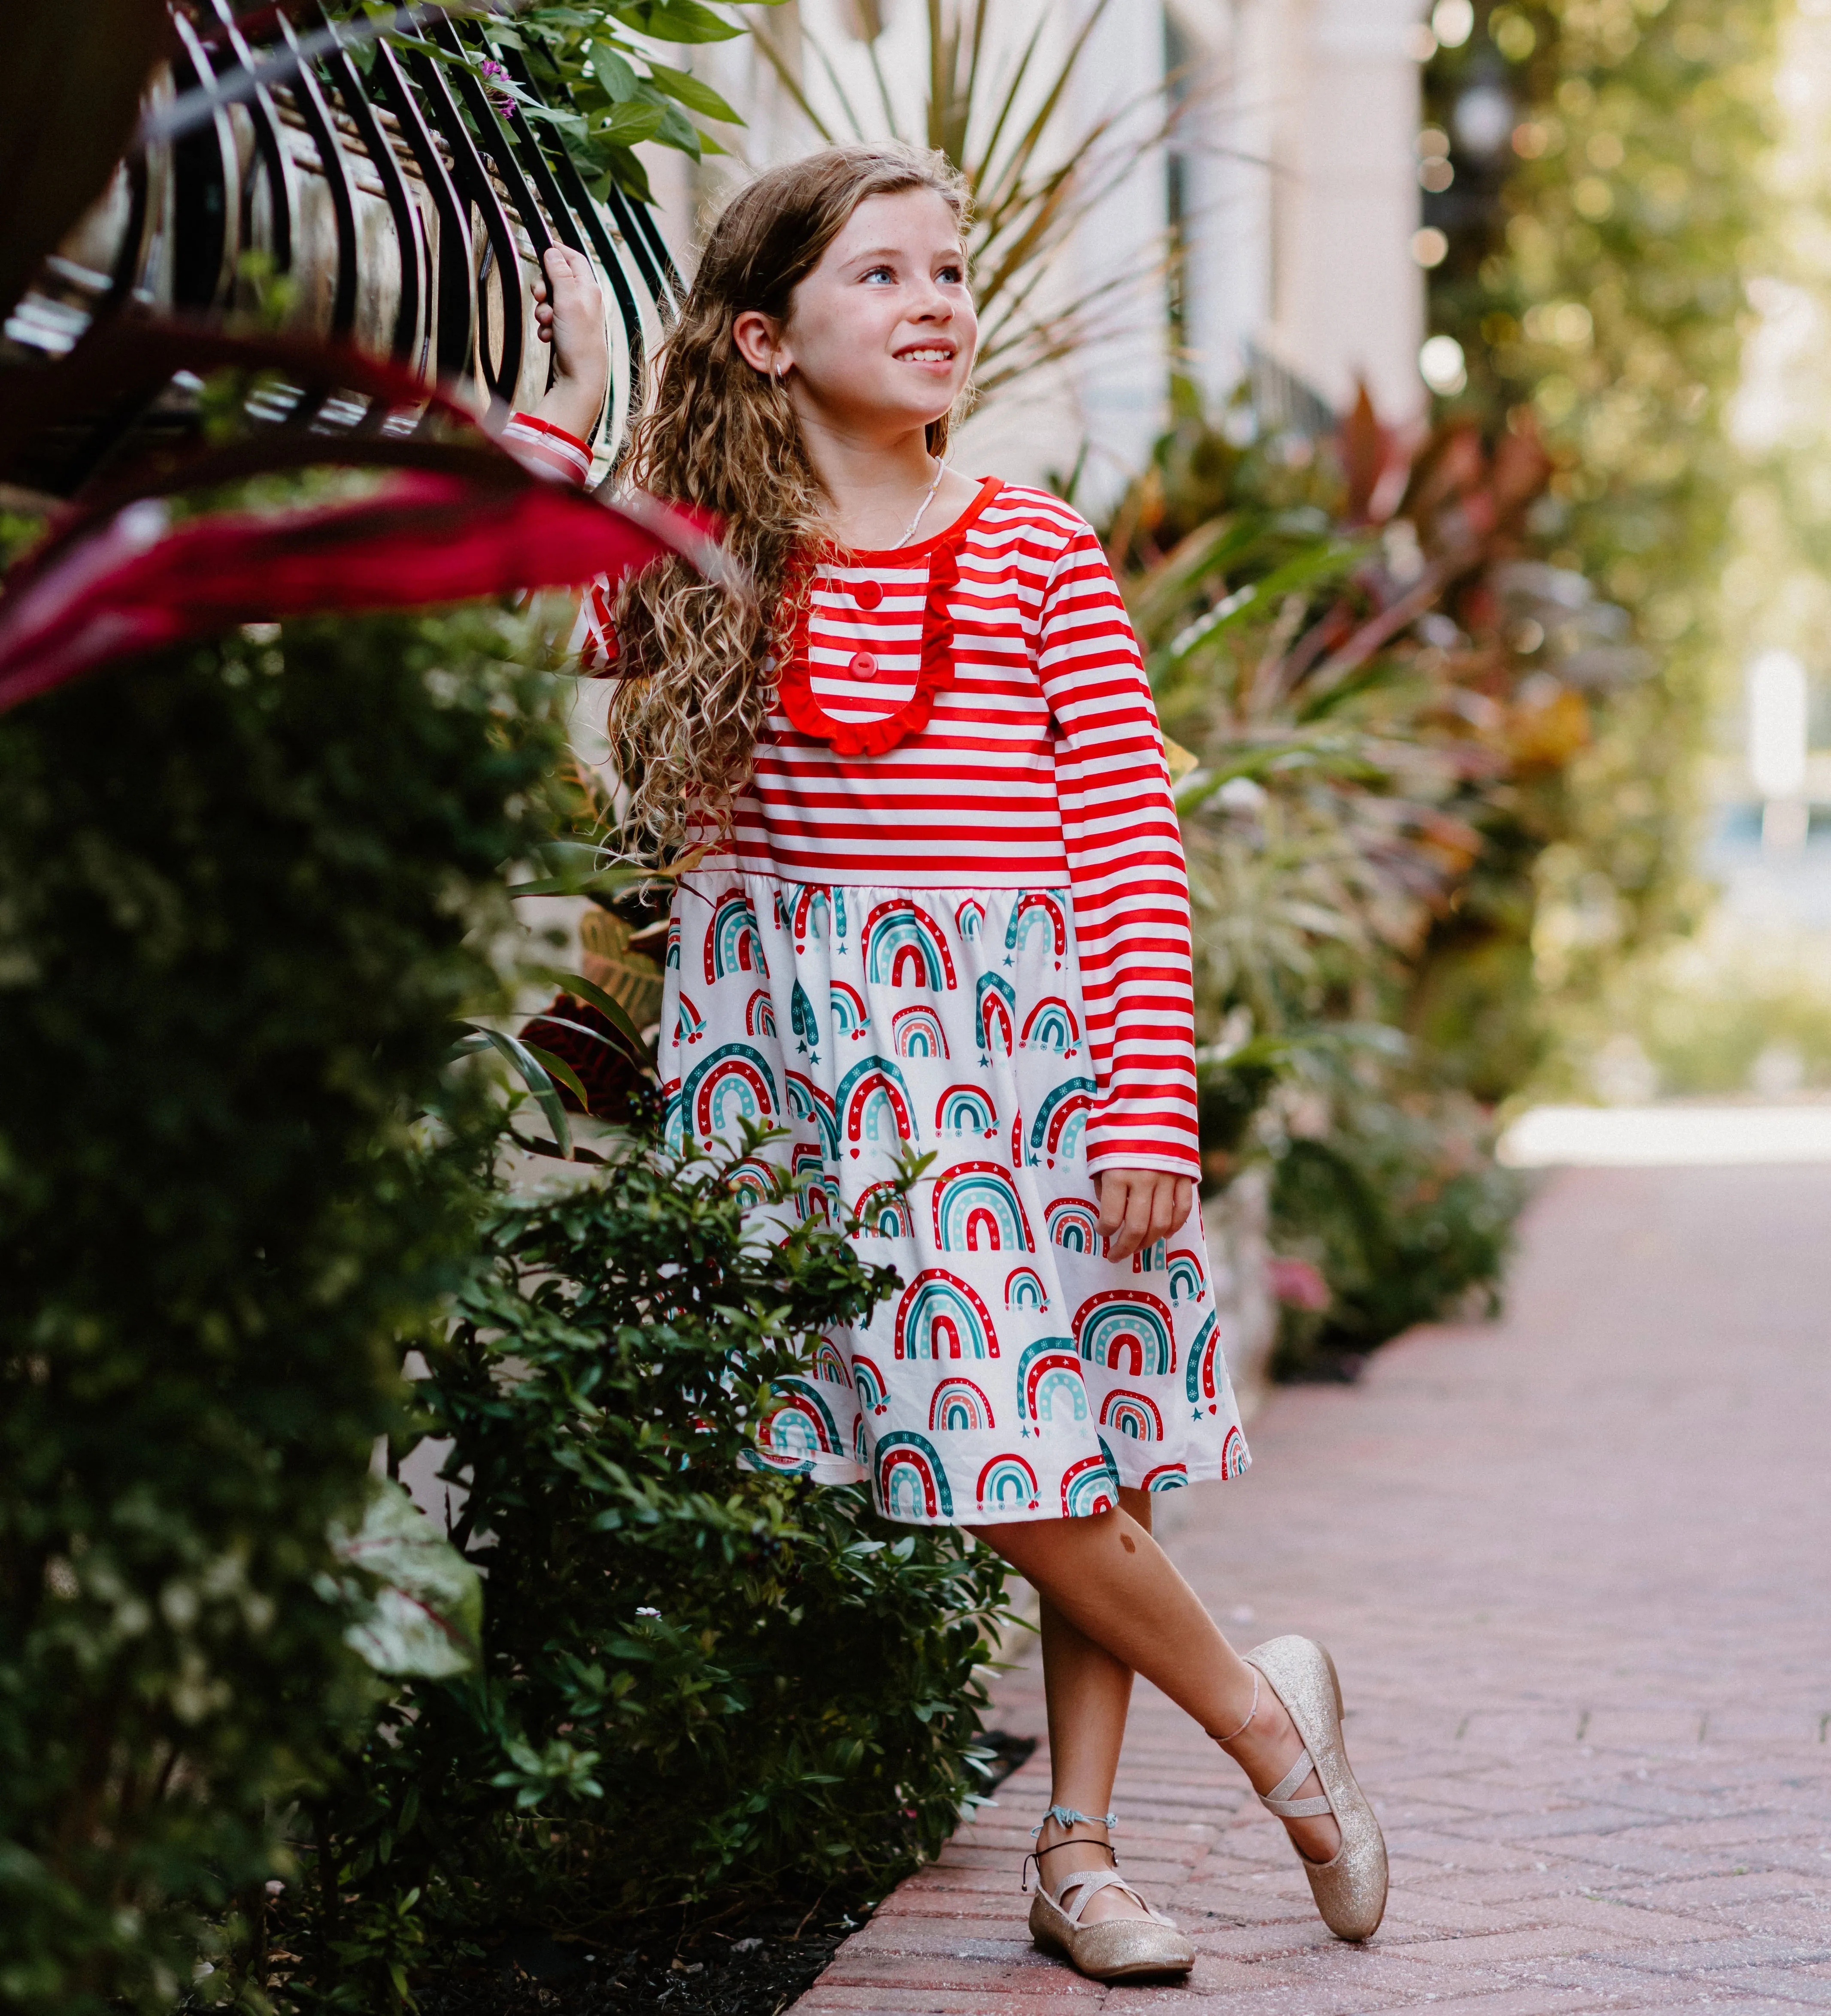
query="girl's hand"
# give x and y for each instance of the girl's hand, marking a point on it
(1139, 1207)
(569, 314)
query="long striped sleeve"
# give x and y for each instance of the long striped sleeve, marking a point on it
(1124, 856)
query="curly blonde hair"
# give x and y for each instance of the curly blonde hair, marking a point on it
(721, 437)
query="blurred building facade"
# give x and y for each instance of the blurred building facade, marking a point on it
(1270, 236)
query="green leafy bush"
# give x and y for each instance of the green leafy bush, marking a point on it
(1400, 1206)
(245, 892)
(698, 1680)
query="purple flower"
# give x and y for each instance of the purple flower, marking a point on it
(497, 74)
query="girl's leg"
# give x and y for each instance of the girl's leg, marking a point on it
(1088, 1692)
(1109, 1579)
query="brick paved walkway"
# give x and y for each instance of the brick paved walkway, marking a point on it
(1575, 1569)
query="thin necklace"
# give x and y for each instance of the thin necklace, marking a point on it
(909, 533)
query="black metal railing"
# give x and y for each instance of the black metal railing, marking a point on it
(393, 203)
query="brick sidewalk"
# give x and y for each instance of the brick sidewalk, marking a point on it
(1575, 1570)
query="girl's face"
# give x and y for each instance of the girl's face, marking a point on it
(880, 335)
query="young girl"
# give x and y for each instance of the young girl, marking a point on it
(944, 912)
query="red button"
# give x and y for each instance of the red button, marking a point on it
(866, 594)
(864, 666)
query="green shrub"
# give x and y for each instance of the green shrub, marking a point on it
(698, 1681)
(243, 891)
(1401, 1205)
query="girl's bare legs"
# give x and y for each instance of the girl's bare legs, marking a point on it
(1113, 1605)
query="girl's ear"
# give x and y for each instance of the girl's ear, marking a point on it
(759, 344)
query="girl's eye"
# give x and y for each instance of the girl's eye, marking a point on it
(879, 272)
(950, 276)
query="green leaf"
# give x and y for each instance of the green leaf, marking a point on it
(629, 125)
(533, 1075)
(615, 72)
(613, 1011)
(696, 96)
(424, 1616)
(676, 21)
(678, 130)
(558, 1067)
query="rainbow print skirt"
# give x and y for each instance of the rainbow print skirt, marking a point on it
(1020, 1373)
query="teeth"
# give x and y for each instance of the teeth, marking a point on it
(928, 356)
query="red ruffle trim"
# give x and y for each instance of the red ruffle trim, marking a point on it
(795, 688)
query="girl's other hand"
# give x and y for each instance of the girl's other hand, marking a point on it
(569, 314)
(1139, 1207)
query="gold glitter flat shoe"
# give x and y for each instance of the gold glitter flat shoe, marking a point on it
(1115, 1949)
(1349, 1888)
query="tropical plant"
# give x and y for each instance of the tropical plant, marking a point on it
(995, 102)
(1376, 772)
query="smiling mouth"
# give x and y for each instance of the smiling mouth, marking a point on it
(927, 353)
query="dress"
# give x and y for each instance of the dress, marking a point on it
(952, 918)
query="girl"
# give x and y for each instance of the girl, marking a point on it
(944, 911)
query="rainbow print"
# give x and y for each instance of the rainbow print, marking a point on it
(1073, 1225)
(1168, 1476)
(1090, 1487)
(1024, 1290)
(797, 1423)
(977, 1210)
(1050, 1386)
(911, 1478)
(753, 1182)
(969, 918)
(732, 942)
(1057, 1127)
(1151, 1259)
(673, 959)
(861, 1443)
(959, 1406)
(1126, 1330)
(996, 1010)
(873, 1106)
(806, 1101)
(1037, 914)
(813, 912)
(819, 1191)
(1050, 1025)
(904, 947)
(801, 1021)
(1233, 1455)
(1186, 1280)
(1134, 1414)
(917, 1032)
(884, 1210)
(689, 1024)
(759, 1015)
(733, 1084)
(963, 1109)
(829, 1367)
(673, 1116)
(1201, 1385)
(940, 1317)
(1008, 1481)
(868, 1383)
(848, 1005)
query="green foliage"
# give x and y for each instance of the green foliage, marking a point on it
(1378, 772)
(1603, 295)
(247, 889)
(623, 97)
(696, 1679)
(1402, 1209)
